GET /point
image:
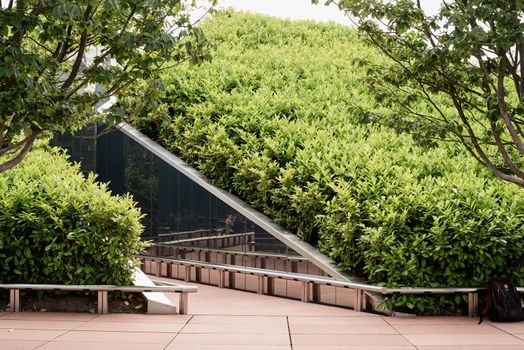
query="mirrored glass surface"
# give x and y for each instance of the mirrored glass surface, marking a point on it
(138, 180)
(183, 219)
(81, 147)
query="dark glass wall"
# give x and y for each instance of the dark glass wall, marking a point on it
(81, 149)
(182, 219)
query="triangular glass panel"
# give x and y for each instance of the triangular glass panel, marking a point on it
(186, 216)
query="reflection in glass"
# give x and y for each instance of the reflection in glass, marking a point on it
(183, 219)
(81, 147)
(139, 181)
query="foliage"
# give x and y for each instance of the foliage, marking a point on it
(281, 118)
(58, 227)
(470, 57)
(54, 52)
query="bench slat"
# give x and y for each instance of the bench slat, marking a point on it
(108, 288)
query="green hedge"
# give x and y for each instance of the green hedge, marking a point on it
(58, 227)
(279, 117)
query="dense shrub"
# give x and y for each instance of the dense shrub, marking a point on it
(280, 117)
(58, 227)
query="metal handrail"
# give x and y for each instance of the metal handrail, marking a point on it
(274, 274)
(322, 280)
(443, 290)
(257, 254)
(329, 281)
(206, 238)
(107, 288)
(188, 232)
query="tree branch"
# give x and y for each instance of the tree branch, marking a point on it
(80, 55)
(520, 50)
(41, 45)
(63, 46)
(502, 107)
(89, 72)
(13, 147)
(505, 156)
(23, 152)
(480, 152)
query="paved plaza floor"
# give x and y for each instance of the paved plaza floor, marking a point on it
(223, 319)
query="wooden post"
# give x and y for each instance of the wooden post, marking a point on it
(473, 304)
(360, 300)
(102, 302)
(188, 273)
(316, 293)
(198, 274)
(305, 291)
(14, 300)
(260, 284)
(183, 303)
(270, 285)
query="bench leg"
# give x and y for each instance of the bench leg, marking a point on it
(316, 293)
(221, 279)
(260, 284)
(198, 274)
(305, 291)
(270, 285)
(188, 273)
(473, 304)
(360, 300)
(102, 302)
(14, 300)
(183, 303)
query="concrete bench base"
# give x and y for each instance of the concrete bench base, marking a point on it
(157, 303)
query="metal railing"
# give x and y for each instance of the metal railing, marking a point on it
(257, 254)
(199, 232)
(310, 290)
(231, 239)
(247, 258)
(103, 308)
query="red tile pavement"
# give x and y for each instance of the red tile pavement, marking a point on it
(471, 347)
(262, 320)
(227, 347)
(116, 326)
(347, 321)
(464, 339)
(354, 347)
(39, 324)
(123, 318)
(223, 319)
(100, 346)
(449, 320)
(220, 328)
(116, 337)
(354, 339)
(516, 328)
(28, 334)
(231, 339)
(20, 344)
(46, 316)
(414, 329)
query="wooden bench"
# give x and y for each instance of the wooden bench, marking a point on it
(15, 302)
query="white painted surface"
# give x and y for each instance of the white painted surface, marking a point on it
(157, 303)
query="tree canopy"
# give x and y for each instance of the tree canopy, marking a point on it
(457, 75)
(54, 52)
